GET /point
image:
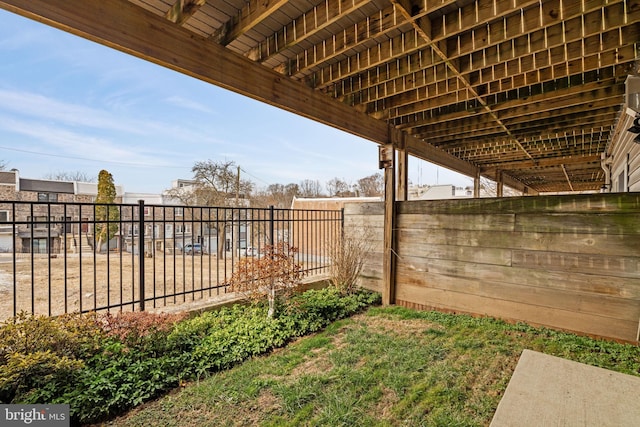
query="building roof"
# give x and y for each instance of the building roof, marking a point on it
(329, 203)
(522, 91)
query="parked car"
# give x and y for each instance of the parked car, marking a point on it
(193, 248)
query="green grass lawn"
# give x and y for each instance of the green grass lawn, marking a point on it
(386, 367)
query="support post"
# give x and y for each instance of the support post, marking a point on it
(499, 185)
(476, 185)
(403, 170)
(387, 160)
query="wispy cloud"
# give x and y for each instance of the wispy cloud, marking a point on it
(65, 143)
(34, 107)
(38, 106)
(189, 104)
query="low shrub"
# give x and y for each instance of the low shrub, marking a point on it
(40, 355)
(104, 365)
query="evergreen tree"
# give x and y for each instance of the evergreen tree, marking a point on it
(107, 217)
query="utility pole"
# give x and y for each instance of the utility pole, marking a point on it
(238, 188)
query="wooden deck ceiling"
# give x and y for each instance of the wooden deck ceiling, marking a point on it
(528, 90)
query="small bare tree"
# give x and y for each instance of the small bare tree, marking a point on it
(215, 184)
(372, 185)
(70, 176)
(275, 271)
(348, 255)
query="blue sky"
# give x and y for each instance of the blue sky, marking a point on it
(67, 104)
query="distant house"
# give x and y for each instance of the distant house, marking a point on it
(51, 236)
(439, 192)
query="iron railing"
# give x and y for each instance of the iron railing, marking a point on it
(67, 257)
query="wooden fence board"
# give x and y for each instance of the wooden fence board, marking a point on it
(611, 245)
(493, 222)
(577, 282)
(369, 208)
(577, 203)
(509, 310)
(617, 266)
(494, 256)
(602, 305)
(573, 225)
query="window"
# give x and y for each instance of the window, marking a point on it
(132, 230)
(147, 211)
(178, 211)
(168, 230)
(47, 197)
(38, 221)
(4, 221)
(183, 228)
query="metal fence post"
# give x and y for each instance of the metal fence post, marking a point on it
(271, 226)
(141, 251)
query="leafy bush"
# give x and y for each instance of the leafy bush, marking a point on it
(39, 354)
(104, 365)
(141, 330)
(313, 310)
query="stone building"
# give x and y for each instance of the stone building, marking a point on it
(59, 220)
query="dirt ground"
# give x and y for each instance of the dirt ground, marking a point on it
(64, 284)
(102, 281)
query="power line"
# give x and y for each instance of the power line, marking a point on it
(147, 165)
(255, 177)
(138, 164)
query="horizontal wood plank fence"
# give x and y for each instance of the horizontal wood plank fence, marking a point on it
(569, 262)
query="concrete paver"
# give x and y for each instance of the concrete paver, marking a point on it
(550, 391)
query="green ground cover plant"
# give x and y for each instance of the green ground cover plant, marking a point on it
(384, 367)
(104, 365)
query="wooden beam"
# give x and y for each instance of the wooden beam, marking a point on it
(253, 13)
(372, 26)
(403, 169)
(455, 69)
(129, 28)
(476, 185)
(493, 136)
(183, 10)
(564, 169)
(527, 164)
(597, 93)
(499, 185)
(497, 105)
(319, 18)
(428, 152)
(556, 123)
(444, 90)
(500, 54)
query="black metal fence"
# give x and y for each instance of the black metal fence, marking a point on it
(66, 257)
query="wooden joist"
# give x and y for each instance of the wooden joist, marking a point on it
(183, 10)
